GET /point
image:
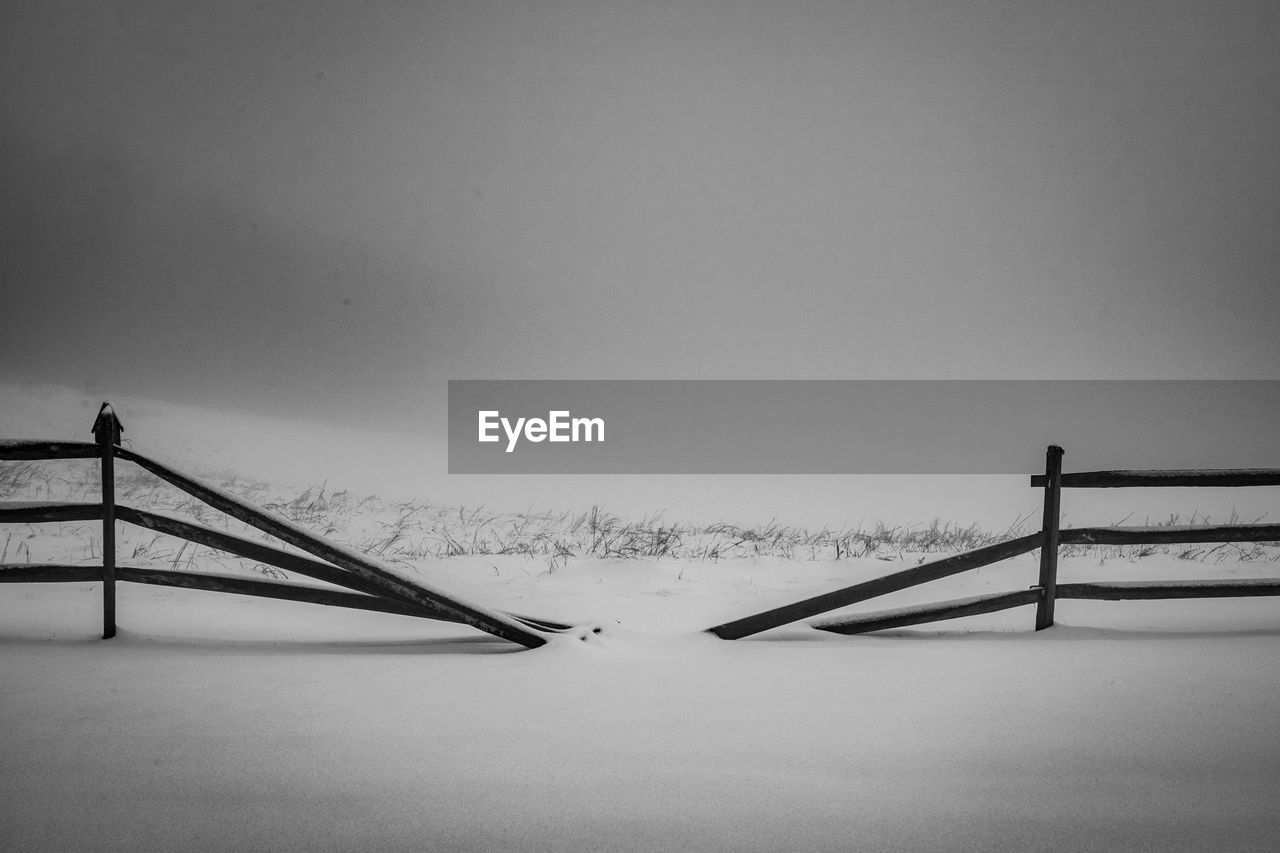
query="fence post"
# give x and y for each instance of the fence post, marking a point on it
(1049, 528)
(107, 430)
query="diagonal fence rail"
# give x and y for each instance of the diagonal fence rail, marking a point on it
(905, 579)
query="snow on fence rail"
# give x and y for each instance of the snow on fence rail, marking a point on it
(1046, 592)
(370, 584)
(373, 584)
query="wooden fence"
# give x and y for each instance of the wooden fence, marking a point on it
(1047, 590)
(367, 583)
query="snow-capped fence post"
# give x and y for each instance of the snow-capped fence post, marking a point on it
(107, 429)
(1049, 530)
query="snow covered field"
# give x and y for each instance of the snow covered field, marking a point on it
(221, 723)
(218, 722)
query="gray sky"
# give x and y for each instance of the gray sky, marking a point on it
(329, 209)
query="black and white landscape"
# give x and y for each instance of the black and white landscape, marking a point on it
(271, 232)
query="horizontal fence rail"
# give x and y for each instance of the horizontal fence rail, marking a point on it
(37, 512)
(1217, 477)
(23, 449)
(49, 573)
(1171, 535)
(1154, 590)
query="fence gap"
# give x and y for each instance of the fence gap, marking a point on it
(1049, 529)
(107, 430)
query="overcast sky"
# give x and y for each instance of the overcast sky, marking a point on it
(329, 209)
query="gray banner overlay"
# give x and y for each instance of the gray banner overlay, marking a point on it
(858, 426)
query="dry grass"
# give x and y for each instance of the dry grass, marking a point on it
(404, 531)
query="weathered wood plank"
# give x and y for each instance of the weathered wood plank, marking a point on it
(263, 553)
(359, 564)
(914, 576)
(1170, 534)
(1156, 479)
(861, 623)
(1153, 590)
(38, 512)
(24, 448)
(63, 573)
(107, 430)
(268, 589)
(1049, 529)
(49, 573)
